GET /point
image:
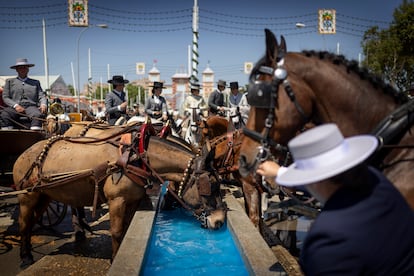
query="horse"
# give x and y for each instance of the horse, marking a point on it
(213, 126)
(289, 89)
(85, 171)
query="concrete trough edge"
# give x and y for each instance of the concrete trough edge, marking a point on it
(257, 255)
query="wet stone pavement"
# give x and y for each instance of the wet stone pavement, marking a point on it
(55, 250)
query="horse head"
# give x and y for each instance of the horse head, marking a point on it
(290, 91)
(192, 180)
(276, 112)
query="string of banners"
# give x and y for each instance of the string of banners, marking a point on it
(78, 13)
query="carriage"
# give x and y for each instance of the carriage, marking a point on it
(14, 142)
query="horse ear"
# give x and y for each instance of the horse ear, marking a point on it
(271, 44)
(282, 45)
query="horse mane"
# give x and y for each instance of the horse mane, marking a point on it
(362, 72)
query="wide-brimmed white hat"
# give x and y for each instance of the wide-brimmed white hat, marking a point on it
(21, 62)
(323, 152)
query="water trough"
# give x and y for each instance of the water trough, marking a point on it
(258, 258)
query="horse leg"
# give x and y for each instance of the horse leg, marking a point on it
(251, 200)
(79, 223)
(117, 207)
(32, 206)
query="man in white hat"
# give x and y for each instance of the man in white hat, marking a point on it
(23, 96)
(366, 226)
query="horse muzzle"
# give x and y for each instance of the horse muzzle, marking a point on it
(216, 219)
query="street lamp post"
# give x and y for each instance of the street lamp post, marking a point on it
(77, 57)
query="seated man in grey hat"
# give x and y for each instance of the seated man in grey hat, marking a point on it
(156, 105)
(23, 97)
(216, 101)
(365, 227)
(115, 101)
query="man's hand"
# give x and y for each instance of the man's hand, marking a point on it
(269, 170)
(19, 109)
(43, 109)
(123, 106)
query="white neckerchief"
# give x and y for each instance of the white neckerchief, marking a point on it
(157, 100)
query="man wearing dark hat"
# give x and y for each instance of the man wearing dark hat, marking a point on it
(234, 101)
(365, 227)
(235, 96)
(23, 96)
(216, 102)
(115, 101)
(156, 105)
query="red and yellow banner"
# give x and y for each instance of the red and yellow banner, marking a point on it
(327, 21)
(78, 13)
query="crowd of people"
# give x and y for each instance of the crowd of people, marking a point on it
(25, 104)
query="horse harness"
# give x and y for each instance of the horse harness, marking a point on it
(264, 95)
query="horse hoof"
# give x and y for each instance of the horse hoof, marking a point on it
(26, 262)
(80, 236)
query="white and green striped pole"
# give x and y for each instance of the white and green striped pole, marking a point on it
(194, 59)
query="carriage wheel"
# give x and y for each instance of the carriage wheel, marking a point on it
(54, 214)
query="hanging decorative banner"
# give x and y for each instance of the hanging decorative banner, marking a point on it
(140, 68)
(327, 21)
(248, 66)
(78, 13)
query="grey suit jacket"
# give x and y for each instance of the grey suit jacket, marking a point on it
(112, 100)
(151, 106)
(25, 93)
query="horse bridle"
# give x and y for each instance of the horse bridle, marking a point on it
(264, 95)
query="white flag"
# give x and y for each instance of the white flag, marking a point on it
(248, 66)
(140, 68)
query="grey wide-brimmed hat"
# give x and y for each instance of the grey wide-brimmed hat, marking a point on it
(22, 62)
(323, 152)
(221, 83)
(118, 80)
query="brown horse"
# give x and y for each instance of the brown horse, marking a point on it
(75, 171)
(213, 126)
(290, 89)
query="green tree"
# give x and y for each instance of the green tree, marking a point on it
(390, 52)
(134, 90)
(97, 93)
(71, 90)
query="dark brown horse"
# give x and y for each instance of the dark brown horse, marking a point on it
(85, 170)
(289, 90)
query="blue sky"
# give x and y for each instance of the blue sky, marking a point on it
(230, 34)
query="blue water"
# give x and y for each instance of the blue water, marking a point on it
(179, 246)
